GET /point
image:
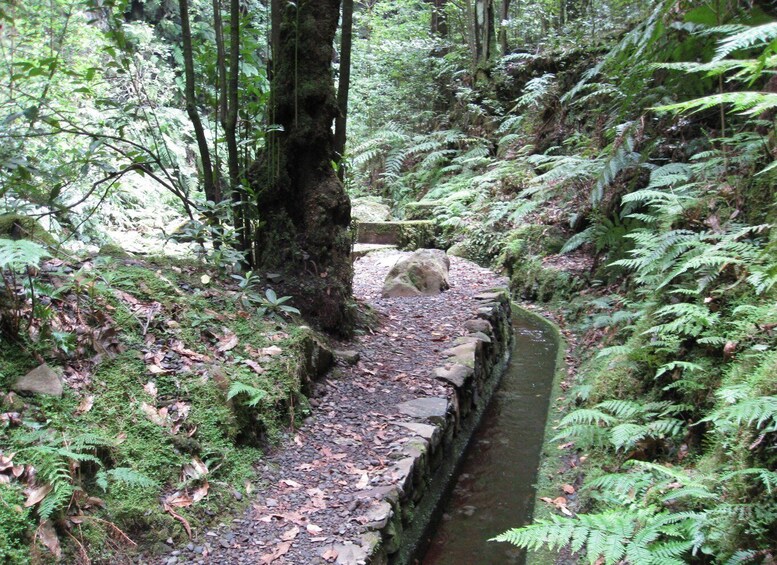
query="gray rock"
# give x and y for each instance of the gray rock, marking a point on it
(463, 354)
(457, 375)
(378, 515)
(427, 408)
(424, 430)
(41, 380)
(479, 325)
(367, 210)
(347, 356)
(460, 249)
(424, 273)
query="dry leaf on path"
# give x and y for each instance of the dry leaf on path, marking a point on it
(569, 489)
(270, 351)
(179, 499)
(290, 483)
(150, 388)
(314, 530)
(290, 534)
(280, 551)
(329, 555)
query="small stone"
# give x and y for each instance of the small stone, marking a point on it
(172, 561)
(176, 553)
(41, 380)
(274, 277)
(190, 546)
(198, 549)
(237, 495)
(348, 356)
(270, 503)
(169, 541)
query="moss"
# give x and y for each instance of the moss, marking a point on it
(113, 250)
(18, 226)
(15, 525)
(531, 281)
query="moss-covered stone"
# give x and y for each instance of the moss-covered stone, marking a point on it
(423, 210)
(411, 235)
(18, 226)
(530, 280)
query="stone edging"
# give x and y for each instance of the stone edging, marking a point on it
(402, 515)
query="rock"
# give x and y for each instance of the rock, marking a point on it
(275, 278)
(350, 554)
(41, 380)
(424, 273)
(427, 408)
(11, 402)
(368, 210)
(378, 515)
(457, 375)
(347, 356)
(479, 325)
(464, 354)
(460, 249)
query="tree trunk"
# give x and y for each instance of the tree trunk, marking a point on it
(305, 212)
(504, 15)
(230, 130)
(485, 38)
(439, 26)
(341, 122)
(211, 191)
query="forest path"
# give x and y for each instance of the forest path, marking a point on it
(322, 482)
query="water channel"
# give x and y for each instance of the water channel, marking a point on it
(495, 487)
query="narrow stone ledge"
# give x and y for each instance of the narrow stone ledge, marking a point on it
(428, 408)
(428, 459)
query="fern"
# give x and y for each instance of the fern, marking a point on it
(16, 255)
(255, 395)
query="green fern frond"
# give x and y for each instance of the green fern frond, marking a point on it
(755, 36)
(16, 255)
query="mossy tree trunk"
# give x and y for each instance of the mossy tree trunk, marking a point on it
(304, 210)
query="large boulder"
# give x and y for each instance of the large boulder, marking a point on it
(424, 273)
(369, 210)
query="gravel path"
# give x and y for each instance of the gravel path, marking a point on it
(317, 484)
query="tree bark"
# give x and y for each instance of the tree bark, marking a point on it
(210, 188)
(305, 212)
(439, 25)
(341, 122)
(485, 38)
(504, 15)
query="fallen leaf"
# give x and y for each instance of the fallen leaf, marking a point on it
(270, 351)
(569, 489)
(201, 492)
(48, 535)
(254, 365)
(195, 469)
(150, 388)
(179, 499)
(364, 480)
(290, 483)
(313, 529)
(227, 343)
(329, 555)
(86, 404)
(152, 414)
(290, 534)
(37, 494)
(280, 551)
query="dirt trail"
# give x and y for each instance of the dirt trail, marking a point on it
(314, 499)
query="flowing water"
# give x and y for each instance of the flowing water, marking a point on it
(495, 487)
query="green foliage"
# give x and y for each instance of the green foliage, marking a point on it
(15, 522)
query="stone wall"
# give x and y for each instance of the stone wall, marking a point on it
(402, 515)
